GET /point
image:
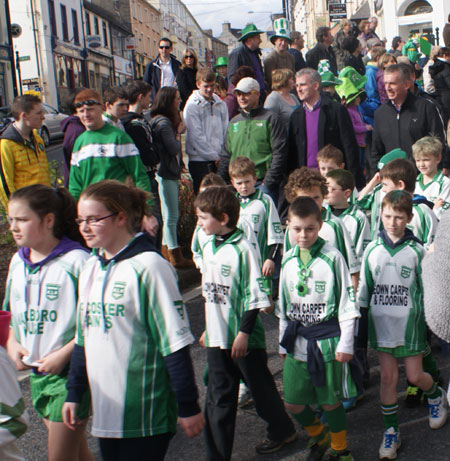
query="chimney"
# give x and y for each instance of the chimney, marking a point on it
(225, 27)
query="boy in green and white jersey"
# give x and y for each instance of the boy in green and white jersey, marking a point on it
(305, 182)
(116, 106)
(317, 323)
(234, 294)
(391, 289)
(431, 182)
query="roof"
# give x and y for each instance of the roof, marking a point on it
(363, 12)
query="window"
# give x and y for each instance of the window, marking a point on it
(87, 21)
(139, 12)
(149, 46)
(152, 21)
(105, 34)
(418, 7)
(141, 43)
(133, 9)
(96, 29)
(51, 13)
(76, 36)
(65, 28)
(146, 16)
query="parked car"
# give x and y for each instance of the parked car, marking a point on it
(5, 117)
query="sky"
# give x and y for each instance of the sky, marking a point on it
(211, 15)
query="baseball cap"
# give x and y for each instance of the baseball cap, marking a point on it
(247, 85)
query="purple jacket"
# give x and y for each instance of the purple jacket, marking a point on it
(381, 88)
(358, 125)
(72, 128)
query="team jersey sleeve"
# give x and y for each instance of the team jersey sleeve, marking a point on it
(196, 250)
(366, 202)
(366, 282)
(274, 228)
(363, 236)
(344, 292)
(282, 306)
(353, 264)
(249, 235)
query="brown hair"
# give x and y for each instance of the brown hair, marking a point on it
(400, 170)
(329, 152)
(43, 200)
(240, 167)
(113, 93)
(303, 207)
(242, 72)
(280, 78)
(87, 94)
(212, 179)
(343, 178)
(304, 178)
(384, 60)
(163, 105)
(119, 197)
(428, 145)
(205, 74)
(398, 200)
(217, 200)
(23, 103)
(376, 52)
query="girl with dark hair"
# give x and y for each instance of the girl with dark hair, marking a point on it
(186, 75)
(41, 294)
(166, 129)
(133, 335)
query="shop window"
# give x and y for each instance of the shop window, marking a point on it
(418, 7)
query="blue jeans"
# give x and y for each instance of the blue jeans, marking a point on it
(168, 195)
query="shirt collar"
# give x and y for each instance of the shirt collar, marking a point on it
(315, 106)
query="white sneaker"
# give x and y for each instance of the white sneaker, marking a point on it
(245, 397)
(391, 443)
(438, 410)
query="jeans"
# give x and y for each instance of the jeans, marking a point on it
(168, 195)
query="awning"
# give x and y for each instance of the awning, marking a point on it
(363, 12)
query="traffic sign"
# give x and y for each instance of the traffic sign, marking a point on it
(337, 11)
(38, 88)
(24, 58)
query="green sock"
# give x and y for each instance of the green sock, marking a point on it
(433, 392)
(390, 416)
(306, 418)
(337, 420)
(429, 364)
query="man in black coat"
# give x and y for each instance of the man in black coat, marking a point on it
(162, 71)
(322, 50)
(319, 121)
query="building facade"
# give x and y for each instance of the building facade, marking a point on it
(6, 62)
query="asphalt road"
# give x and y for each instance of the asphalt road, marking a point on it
(365, 427)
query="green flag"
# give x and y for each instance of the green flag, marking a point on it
(425, 46)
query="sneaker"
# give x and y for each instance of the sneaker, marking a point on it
(245, 398)
(413, 397)
(438, 410)
(271, 446)
(341, 456)
(318, 445)
(391, 443)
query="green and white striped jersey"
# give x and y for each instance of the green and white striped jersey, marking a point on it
(260, 212)
(439, 187)
(106, 153)
(232, 284)
(43, 303)
(130, 316)
(358, 227)
(329, 293)
(333, 232)
(423, 224)
(391, 287)
(371, 203)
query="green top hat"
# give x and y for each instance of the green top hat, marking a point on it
(249, 31)
(222, 61)
(392, 155)
(356, 78)
(281, 27)
(328, 78)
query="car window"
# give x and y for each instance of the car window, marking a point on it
(49, 109)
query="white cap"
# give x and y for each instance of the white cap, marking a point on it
(247, 85)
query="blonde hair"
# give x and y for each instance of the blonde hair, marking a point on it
(280, 78)
(428, 145)
(385, 58)
(240, 167)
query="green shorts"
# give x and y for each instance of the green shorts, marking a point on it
(48, 393)
(400, 351)
(299, 389)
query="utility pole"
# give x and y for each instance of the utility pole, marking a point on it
(11, 49)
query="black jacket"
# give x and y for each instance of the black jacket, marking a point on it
(241, 56)
(335, 127)
(356, 62)
(186, 84)
(167, 146)
(418, 117)
(440, 72)
(153, 73)
(299, 60)
(319, 52)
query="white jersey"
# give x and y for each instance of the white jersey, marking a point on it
(232, 284)
(391, 287)
(130, 316)
(43, 303)
(260, 212)
(329, 293)
(439, 187)
(423, 224)
(371, 203)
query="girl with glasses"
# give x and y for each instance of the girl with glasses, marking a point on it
(186, 75)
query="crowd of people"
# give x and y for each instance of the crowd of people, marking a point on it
(320, 182)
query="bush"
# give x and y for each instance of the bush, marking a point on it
(187, 219)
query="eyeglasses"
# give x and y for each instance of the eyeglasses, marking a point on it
(189, 56)
(93, 221)
(164, 47)
(89, 103)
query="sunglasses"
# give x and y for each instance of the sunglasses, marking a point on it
(89, 103)
(164, 47)
(189, 56)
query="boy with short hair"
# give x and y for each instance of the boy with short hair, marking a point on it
(317, 303)
(116, 105)
(305, 182)
(234, 335)
(330, 158)
(391, 289)
(431, 182)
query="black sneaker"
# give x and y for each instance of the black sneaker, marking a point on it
(413, 397)
(272, 446)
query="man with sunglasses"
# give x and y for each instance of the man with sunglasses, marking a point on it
(104, 151)
(162, 71)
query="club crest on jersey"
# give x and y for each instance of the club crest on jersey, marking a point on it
(277, 228)
(405, 272)
(225, 270)
(351, 294)
(377, 270)
(52, 291)
(118, 290)
(255, 218)
(264, 285)
(320, 287)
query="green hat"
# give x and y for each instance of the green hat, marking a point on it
(249, 31)
(392, 155)
(222, 61)
(347, 91)
(328, 78)
(281, 27)
(356, 78)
